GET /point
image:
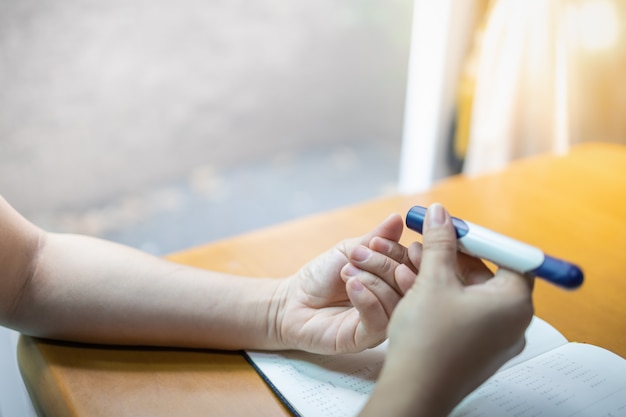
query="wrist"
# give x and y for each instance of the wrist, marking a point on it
(245, 314)
(285, 318)
(275, 312)
(408, 391)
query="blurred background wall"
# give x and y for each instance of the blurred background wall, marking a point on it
(167, 124)
(151, 122)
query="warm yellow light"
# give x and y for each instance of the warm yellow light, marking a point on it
(598, 24)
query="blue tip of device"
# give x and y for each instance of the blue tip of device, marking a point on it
(415, 221)
(561, 273)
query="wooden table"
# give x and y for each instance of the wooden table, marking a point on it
(572, 206)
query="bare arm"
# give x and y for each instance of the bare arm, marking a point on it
(84, 289)
(80, 288)
(97, 291)
(19, 246)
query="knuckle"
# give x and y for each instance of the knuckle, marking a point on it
(439, 243)
(398, 252)
(388, 266)
(440, 238)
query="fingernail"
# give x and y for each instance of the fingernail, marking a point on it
(356, 285)
(436, 215)
(380, 245)
(361, 254)
(351, 271)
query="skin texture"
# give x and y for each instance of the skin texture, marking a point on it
(451, 323)
(454, 328)
(84, 289)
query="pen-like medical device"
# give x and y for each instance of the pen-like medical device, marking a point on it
(504, 251)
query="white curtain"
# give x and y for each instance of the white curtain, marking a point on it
(520, 96)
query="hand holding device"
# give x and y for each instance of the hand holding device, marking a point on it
(505, 251)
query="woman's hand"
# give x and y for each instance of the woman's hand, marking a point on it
(452, 330)
(342, 300)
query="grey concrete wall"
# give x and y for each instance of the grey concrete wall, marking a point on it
(99, 98)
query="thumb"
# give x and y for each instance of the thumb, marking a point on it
(439, 253)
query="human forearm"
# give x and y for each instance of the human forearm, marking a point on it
(90, 290)
(84, 289)
(408, 391)
(19, 243)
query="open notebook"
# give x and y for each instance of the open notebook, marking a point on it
(551, 377)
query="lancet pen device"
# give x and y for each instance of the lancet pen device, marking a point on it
(505, 251)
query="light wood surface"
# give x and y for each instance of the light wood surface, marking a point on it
(572, 206)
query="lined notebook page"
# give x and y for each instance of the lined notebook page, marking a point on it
(338, 386)
(322, 385)
(572, 380)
